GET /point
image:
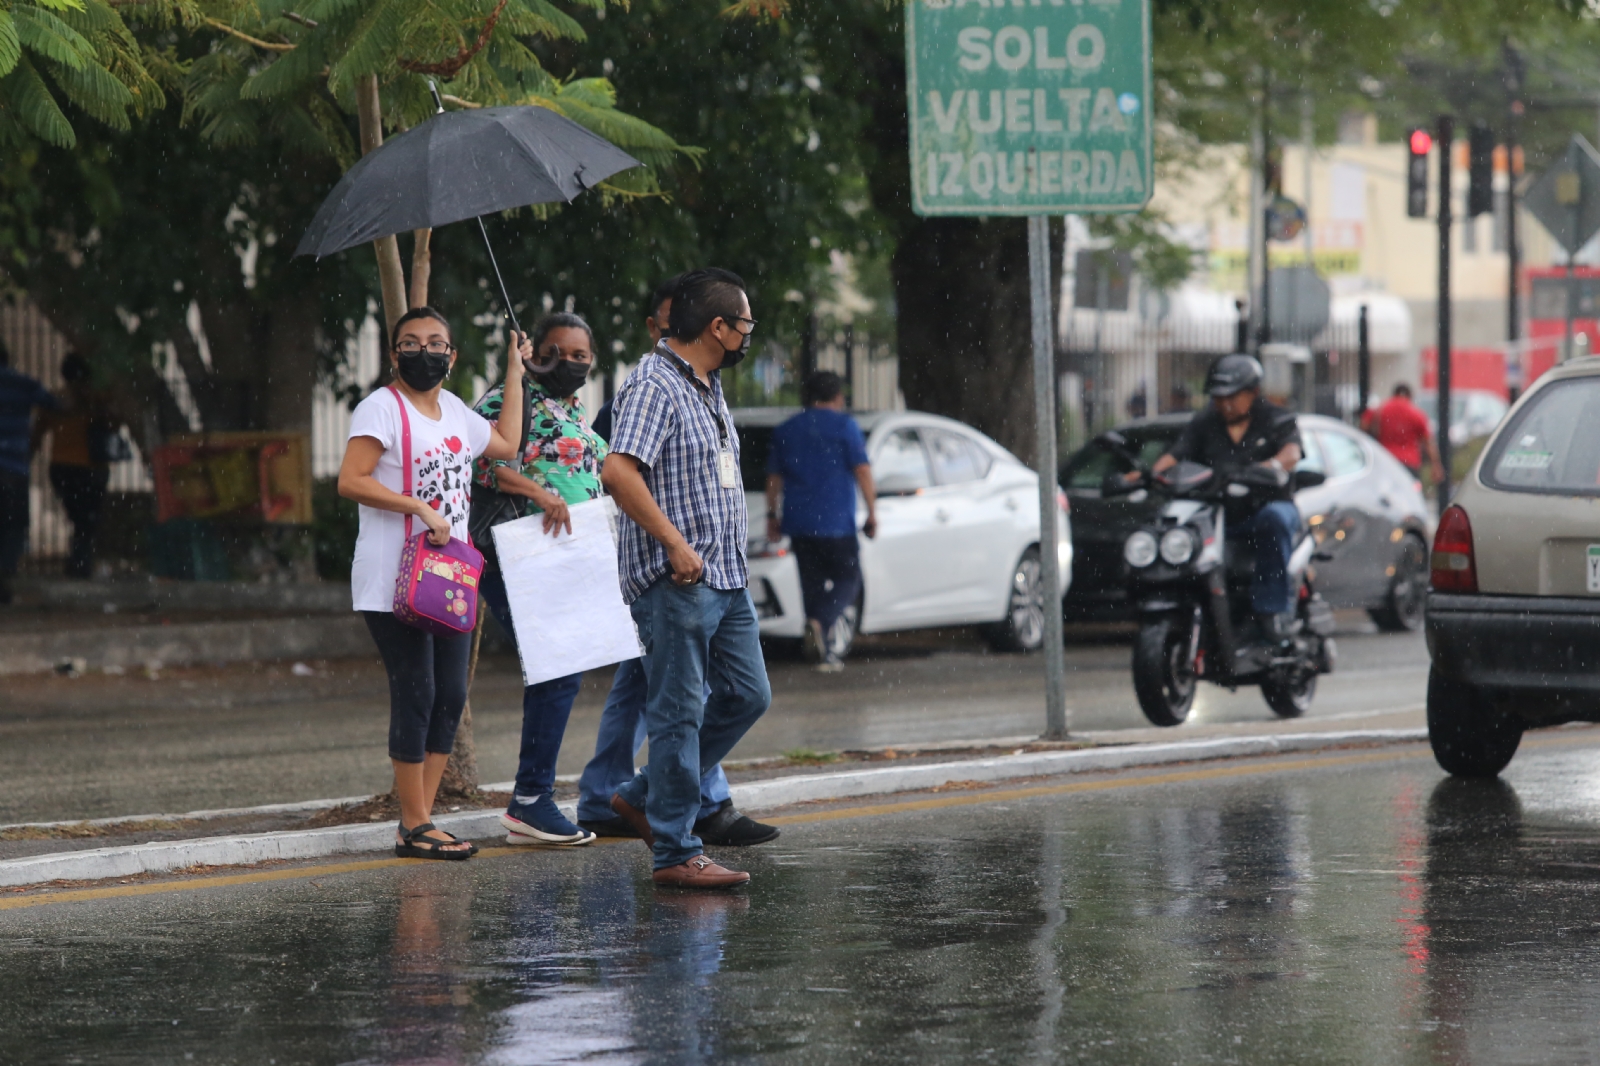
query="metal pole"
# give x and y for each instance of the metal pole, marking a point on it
(1363, 365)
(1255, 267)
(1044, 421)
(1512, 75)
(1447, 125)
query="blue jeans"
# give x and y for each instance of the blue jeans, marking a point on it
(692, 635)
(1272, 532)
(617, 746)
(545, 706)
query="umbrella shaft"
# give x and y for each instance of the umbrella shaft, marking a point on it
(505, 298)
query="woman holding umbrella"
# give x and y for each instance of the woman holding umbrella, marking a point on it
(427, 672)
(559, 466)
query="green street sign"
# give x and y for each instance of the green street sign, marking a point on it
(1028, 107)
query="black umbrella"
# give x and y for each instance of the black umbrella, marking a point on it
(461, 165)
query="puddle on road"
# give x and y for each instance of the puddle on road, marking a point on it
(1342, 916)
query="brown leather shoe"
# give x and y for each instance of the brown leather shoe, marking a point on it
(700, 872)
(634, 817)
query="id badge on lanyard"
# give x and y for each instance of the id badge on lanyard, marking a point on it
(727, 468)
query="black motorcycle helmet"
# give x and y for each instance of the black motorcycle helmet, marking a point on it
(1233, 374)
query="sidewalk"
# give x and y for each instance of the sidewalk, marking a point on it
(42, 853)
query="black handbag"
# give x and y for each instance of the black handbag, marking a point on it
(490, 506)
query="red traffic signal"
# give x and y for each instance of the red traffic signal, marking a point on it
(1420, 142)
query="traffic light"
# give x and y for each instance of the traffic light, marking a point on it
(1419, 143)
(1480, 170)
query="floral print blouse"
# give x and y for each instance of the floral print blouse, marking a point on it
(561, 453)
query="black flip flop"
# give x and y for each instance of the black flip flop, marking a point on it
(429, 849)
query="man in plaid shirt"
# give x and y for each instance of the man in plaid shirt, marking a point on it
(674, 473)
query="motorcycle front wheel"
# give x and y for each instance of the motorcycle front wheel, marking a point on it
(1163, 676)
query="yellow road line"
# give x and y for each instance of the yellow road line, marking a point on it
(967, 799)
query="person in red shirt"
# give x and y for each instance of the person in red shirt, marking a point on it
(1400, 426)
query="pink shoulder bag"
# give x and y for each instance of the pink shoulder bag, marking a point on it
(436, 589)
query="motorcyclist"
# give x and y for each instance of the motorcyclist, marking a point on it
(1238, 429)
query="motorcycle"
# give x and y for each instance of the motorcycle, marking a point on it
(1191, 586)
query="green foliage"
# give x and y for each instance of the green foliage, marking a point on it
(79, 50)
(334, 525)
(271, 76)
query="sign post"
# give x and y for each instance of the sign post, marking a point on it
(1032, 110)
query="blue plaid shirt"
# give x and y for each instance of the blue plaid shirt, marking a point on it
(664, 421)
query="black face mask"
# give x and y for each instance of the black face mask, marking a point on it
(565, 378)
(423, 370)
(734, 356)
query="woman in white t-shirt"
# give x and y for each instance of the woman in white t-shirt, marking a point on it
(427, 673)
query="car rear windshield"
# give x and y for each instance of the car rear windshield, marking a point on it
(1553, 446)
(1089, 467)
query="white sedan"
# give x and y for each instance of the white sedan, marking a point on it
(958, 534)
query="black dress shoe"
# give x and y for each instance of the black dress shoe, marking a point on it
(608, 827)
(730, 829)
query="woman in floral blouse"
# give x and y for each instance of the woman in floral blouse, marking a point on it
(559, 465)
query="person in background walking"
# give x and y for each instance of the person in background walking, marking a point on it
(19, 395)
(816, 462)
(427, 673)
(78, 470)
(674, 472)
(622, 733)
(1400, 426)
(559, 465)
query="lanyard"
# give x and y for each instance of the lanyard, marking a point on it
(700, 390)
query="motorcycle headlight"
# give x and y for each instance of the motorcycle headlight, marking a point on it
(1177, 546)
(1140, 549)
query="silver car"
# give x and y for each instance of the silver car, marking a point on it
(1515, 599)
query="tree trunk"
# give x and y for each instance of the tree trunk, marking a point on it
(391, 275)
(965, 333)
(421, 266)
(460, 779)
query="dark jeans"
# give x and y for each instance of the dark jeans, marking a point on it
(82, 491)
(545, 706)
(427, 685)
(13, 527)
(618, 741)
(830, 575)
(692, 635)
(1272, 532)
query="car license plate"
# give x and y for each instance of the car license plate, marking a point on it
(1594, 568)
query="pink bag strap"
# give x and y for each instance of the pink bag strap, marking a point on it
(405, 451)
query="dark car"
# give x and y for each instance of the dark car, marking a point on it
(1369, 515)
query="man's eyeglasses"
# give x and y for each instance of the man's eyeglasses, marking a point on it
(741, 318)
(412, 348)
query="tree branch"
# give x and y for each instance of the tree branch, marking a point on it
(258, 42)
(452, 66)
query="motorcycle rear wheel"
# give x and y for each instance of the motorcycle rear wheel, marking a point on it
(1290, 698)
(1163, 677)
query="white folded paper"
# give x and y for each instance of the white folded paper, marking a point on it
(566, 602)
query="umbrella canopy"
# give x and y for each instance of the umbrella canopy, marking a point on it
(459, 165)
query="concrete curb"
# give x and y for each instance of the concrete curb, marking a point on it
(165, 856)
(783, 791)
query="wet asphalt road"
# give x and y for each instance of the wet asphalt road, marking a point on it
(1352, 908)
(209, 738)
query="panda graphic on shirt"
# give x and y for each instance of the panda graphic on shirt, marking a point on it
(440, 476)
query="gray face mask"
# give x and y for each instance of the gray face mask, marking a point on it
(422, 370)
(734, 356)
(565, 378)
